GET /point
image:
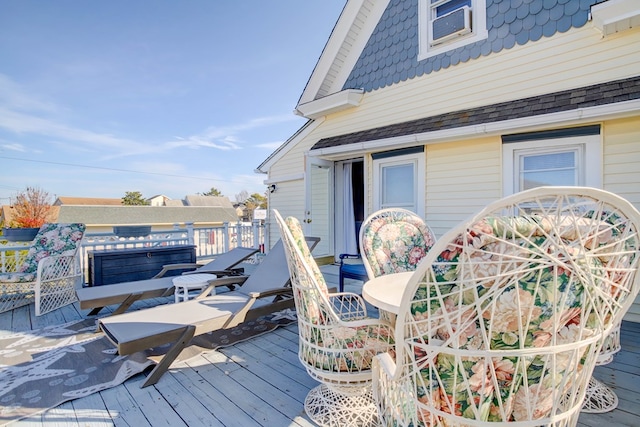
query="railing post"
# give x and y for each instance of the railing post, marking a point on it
(227, 238)
(255, 224)
(190, 233)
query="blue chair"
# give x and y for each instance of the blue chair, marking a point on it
(355, 271)
(351, 271)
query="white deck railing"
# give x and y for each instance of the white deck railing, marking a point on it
(209, 242)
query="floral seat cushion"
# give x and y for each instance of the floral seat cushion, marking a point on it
(394, 245)
(52, 239)
(17, 277)
(329, 346)
(507, 290)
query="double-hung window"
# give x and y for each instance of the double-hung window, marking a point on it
(552, 159)
(448, 24)
(398, 179)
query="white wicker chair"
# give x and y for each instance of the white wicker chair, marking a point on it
(504, 319)
(394, 240)
(337, 341)
(50, 272)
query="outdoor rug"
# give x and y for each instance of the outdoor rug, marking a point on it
(43, 368)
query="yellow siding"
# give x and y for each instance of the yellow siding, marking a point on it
(621, 171)
(579, 57)
(461, 179)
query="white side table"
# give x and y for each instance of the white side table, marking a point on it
(190, 282)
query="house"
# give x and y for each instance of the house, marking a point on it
(442, 106)
(158, 200)
(87, 201)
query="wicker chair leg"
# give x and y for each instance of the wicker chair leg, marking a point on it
(341, 406)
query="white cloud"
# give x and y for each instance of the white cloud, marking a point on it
(13, 147)
(270, 145)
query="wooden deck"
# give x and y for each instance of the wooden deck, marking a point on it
(259, 382)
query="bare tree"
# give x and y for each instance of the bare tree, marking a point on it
(242, 196)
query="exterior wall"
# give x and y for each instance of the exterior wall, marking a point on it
(577, 58)
(461, 178)
(621, 172)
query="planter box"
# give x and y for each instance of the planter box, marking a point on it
(20, 234)
(132, 230)
(126, 265)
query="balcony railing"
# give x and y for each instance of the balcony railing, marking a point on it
(209, 241)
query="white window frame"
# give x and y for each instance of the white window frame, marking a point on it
(418, 162)
(426, 15)
(589, 164)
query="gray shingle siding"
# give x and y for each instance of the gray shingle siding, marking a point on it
(390, 55)
(589, 96)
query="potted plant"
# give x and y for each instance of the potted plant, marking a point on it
(31, 209)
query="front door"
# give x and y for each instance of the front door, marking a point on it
(319, 199)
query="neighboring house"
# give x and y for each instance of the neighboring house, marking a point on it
(442, 106)
(102, 218)
(158, 200)
(90, 201)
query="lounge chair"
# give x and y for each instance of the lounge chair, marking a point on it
(126, 293)
(265, 291)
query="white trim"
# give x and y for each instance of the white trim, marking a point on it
(418, 160)
(348, 38)
(284, 178)
(614, 16)
(340, 101)
(478, 30)
(546, 121)
(589, 165)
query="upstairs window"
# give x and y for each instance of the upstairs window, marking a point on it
(448, 24)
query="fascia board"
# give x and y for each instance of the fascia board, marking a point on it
(333, 103)
(305, 130)
(338, 40)
(615, 15)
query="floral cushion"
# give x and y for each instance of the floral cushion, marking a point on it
(327, 343)
(344, 349)
(17, 277)
(52, 239)
(503, 286)
(394, 245)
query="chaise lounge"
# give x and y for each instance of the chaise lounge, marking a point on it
(265, 291)
(126, 293)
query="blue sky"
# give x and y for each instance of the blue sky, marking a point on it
(98, 98)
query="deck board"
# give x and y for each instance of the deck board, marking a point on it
(257, 382)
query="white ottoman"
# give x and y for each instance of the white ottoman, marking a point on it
(190, 282)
